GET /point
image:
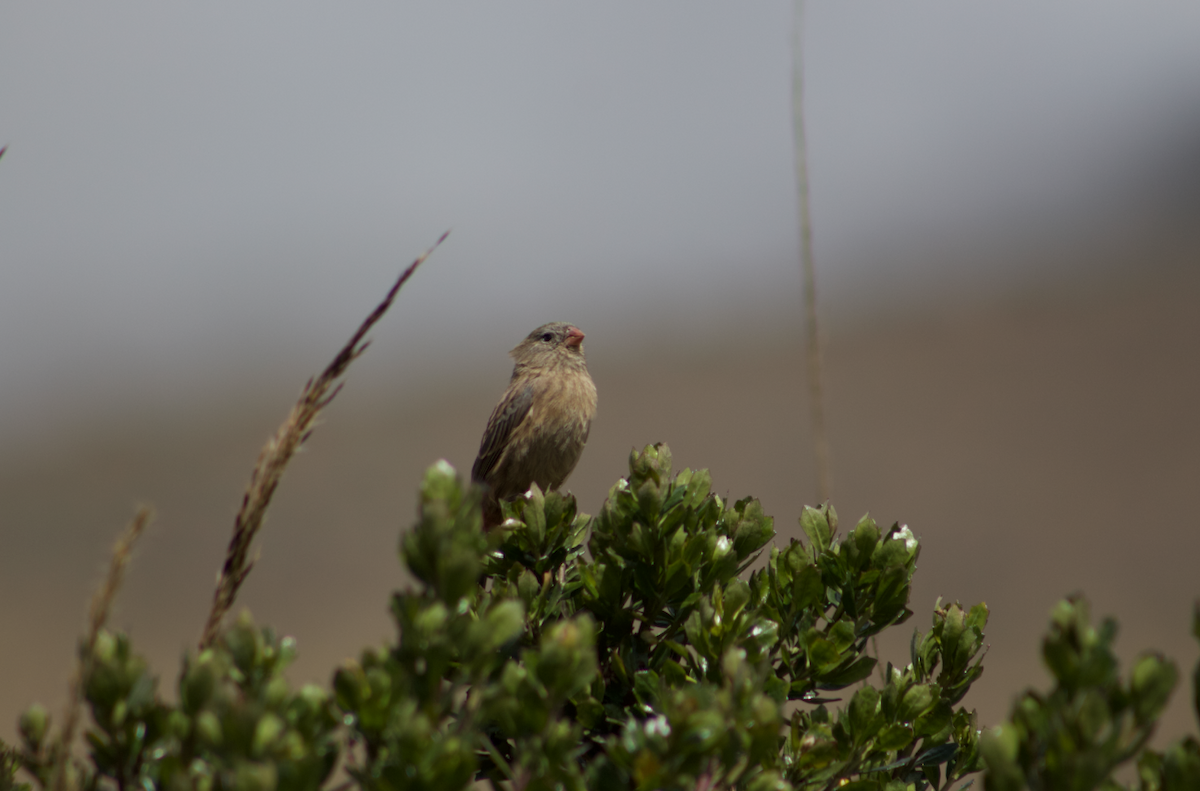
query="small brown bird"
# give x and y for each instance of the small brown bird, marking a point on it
(537, 431)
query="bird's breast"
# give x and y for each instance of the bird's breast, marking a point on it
(546, 444)
(566, 402)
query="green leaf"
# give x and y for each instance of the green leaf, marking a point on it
(821, 652)
(1153, 680)
(935, 720)
(853, 673)
(776, 688)
(807, 588)
(737, 594)
(440, 484)
(503, 624)
(895, 737)
(754, 528)
(815, 524)
(32, 726)
(533, 514)
(698, 487)
(863, 540)
(864, 714)
(528, 586)
(916, 701)
(978, 617)
(999, 747)
(645, 687)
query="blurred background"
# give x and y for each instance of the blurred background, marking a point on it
(199, 204)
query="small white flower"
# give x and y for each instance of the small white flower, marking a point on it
(658, 726)
(910, 541)
(722, 546)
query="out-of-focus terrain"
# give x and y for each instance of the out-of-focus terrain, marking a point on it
(1039, 443)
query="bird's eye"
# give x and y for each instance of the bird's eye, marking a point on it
(547, 336)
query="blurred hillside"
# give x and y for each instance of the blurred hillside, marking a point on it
(1039, 441)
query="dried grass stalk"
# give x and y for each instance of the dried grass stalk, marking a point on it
(816, 366)
(97, 617)
(278, 452)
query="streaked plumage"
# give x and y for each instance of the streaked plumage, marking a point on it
(537, 432)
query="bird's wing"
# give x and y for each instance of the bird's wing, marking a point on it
(505, 418)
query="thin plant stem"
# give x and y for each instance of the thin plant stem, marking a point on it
(815, 364)
(98, 613)
(279, 450)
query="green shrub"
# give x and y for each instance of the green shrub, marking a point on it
(1092, 721)
(650, 660)
(629, 650)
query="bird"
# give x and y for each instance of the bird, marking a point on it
(537, 432)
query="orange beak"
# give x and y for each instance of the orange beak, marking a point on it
(574, 337)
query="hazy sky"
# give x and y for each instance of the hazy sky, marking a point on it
(190, 188)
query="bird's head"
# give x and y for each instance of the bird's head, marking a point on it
(551, 345)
